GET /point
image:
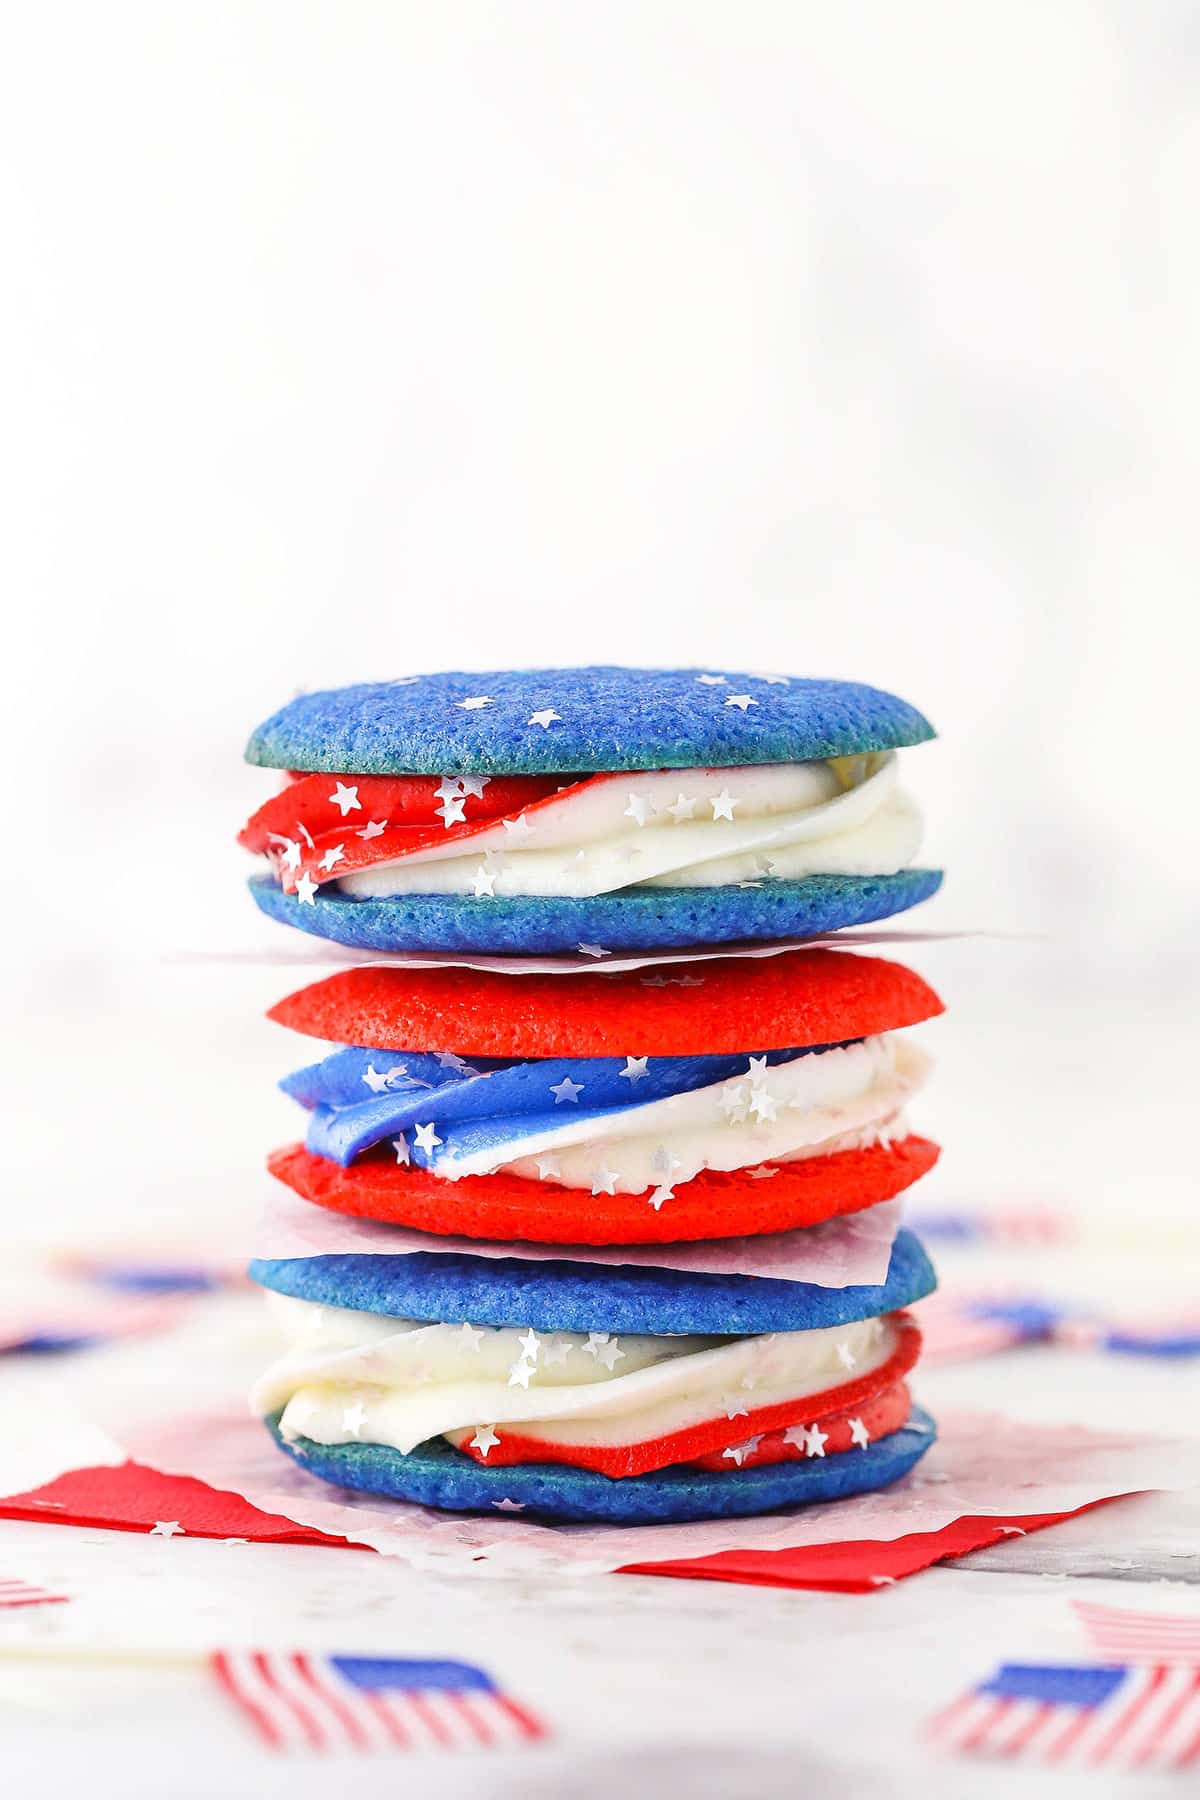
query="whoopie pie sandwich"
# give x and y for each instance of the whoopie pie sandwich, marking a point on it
(711, 1099)
(607, 808)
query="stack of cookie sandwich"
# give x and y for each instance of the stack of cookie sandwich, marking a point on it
(598, 1103)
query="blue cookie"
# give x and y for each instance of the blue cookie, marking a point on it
(634, 919)
(435, 1474)
(591, 720)
(563, 1296)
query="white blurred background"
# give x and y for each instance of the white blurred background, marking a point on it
(343, 340)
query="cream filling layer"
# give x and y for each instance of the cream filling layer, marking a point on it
(813, 1106)
(350, 1377)
(675, 828)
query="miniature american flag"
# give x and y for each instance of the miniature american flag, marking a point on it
(1079, 1716)
(15, 1592)
(296, 1701)
(1128, 1636)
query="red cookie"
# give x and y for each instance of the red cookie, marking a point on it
(721, 1006)
(507, 1208)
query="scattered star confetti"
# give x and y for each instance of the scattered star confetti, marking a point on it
(544, 718)
(530, 1344)
(400, 1146)
(548, 1169)
(485, 1439)
(373, 828)
(763, 1172)
(471, 1335)
(682, 809)
(596, 1342)
(596, 950)
(452, 810)
(659, 1197)
(555, 1349)
(723, 805)
(736, 1408)
(639, 809)
(739, 1452)
(305, 833)
(509, 1505)
(712, 680)
(376, 1081)
(450, 1059)
(518, 829)
(858, 1433)
(354, 1418)
(764, 1106)
(635, 1069)
(336, 854)
(292, 855)
(604, 1181)
(428, 1139)
(306, 888)
(757, 1068)
(846, 1356)
(345, 799)
(815, 1441)
(566, 1090)
(610, 1354)
(166, 1528)
(473, 785)
(520, 1374)
(485, 883)
(474, 703)
(740, 700)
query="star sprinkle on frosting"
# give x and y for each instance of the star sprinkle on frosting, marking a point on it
(345, 799)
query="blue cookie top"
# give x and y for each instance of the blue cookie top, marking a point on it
(533, 721)
(563, 1296)
(436, 1475)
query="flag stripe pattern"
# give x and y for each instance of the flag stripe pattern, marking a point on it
(303, 1703)
(15, 1592)
(1129, 1636)
(1086, 1716)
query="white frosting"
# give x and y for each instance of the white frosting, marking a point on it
(813, 1106)
(357, 1377)
(675, 828)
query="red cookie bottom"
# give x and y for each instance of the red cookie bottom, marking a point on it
(879, 1402)
(507, 1208)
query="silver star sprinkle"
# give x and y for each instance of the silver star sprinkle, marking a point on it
(472, 1336)
(354, 1418)
(484, 1440)
(858, 1433)
(485, 883)
(345, 799)
(373, 828)
(428, 1139)
(635, 1069)
(566, 1090)
(712, 680)
(544, 718)
(475, 702)
(723, 805)
(306, 888)
(740, 700)
(594, 950)
(639, 809)
(400, 1146)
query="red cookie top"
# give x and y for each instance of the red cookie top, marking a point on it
(720, 1006)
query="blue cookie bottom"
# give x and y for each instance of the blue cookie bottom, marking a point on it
(560, 1296)
(435, 1474)
(642, 919)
